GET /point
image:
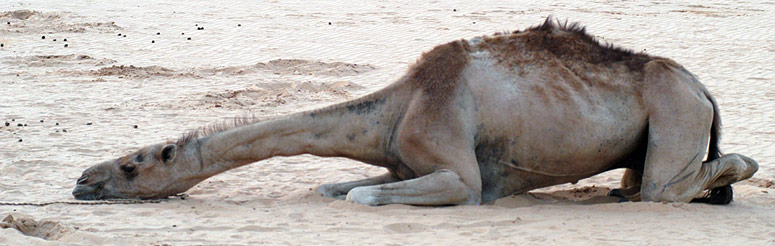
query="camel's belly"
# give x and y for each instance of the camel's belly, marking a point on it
(534, 133)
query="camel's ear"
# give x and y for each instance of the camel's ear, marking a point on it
(167, 154)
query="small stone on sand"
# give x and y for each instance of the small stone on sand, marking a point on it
(42, 37)
(65, 45)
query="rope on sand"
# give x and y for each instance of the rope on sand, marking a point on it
(182, 196)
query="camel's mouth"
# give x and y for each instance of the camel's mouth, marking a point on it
(92, 192)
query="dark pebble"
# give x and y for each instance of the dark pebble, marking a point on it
(25, 124)
(158, 33)
(474, 22)
(174, 225)
(20, 124)
(189, 38)
(1, 45)
(65, 45)
(196, 24)
(13, 119)
(8, 23)
(64, 130)
(88, 124)
(41, 121)
(119, 34)
(20, 140)
(56, 131)
(64, 40)
(8, 124)
(54, 40)
(200, 28)
(454, 10)
(135, 126)
(124, 35)
(239, 24)
(42, 37)
(153, 41)
(329, 23)
(182, 33)
(57, 123)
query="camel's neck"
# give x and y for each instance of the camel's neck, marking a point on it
(360, 129)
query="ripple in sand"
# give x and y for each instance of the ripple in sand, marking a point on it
(29, 21)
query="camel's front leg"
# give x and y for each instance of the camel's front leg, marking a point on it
(340, 190)
(438, 188)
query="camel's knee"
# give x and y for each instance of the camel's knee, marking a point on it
(442, 187)
(746, 167)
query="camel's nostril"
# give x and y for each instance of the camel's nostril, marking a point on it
(82, 180)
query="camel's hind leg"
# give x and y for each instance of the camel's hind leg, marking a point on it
(630, 186)
(680, 119)
(340, 190)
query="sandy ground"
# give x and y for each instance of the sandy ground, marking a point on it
(78, 105)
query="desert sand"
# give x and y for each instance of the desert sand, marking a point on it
(137, 73)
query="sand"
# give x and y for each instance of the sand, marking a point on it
(81, 104)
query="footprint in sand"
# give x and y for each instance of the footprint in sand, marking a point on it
(403, 228)
(45, 229)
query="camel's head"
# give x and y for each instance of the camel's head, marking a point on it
(155, 171)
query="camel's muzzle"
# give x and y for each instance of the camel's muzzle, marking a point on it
(84, 191)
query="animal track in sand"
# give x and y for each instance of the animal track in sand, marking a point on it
(133, 72)
(29, 21)
(45, 229)
(295, 67)
(761, 183)
(279, 67)
(59, 60)
(402, 228)
(277, 93)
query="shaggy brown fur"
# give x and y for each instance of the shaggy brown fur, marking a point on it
(571, 41)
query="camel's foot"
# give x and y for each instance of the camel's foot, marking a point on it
(717, 196)
(631, 194)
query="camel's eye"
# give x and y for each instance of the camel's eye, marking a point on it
(139, 158)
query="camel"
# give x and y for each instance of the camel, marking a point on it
(476, 120)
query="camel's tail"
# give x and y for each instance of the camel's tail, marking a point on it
(715, 130)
